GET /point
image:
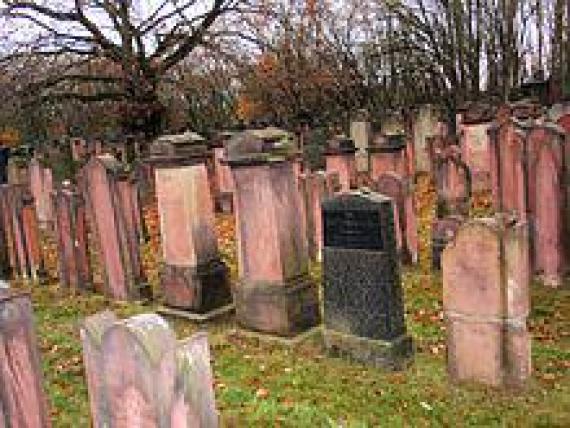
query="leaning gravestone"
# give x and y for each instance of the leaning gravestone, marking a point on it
(363, 303)
(138, 375)
(22, 399)
(486, 302)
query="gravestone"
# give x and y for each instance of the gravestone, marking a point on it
(41, 186)
(78, 148)
(138, 375)
(400, 190)
(224, 184)
(361, 134)
(340, 159)
(453, 183)
(475, 146)
(315, 188)
(388, 154)
(71, 228)
(363, 302)
(274, 294)
(424, 126)
(486, 302)
(110, 218)
(9, 245)
(21, 232)
(547, 171)
(193, 277)
(22, 399)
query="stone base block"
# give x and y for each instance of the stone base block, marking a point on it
(225, 203)
(396, 354)
(488, 352)
(197, 289)
(276, 308)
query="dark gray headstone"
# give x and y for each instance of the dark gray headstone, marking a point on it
(363, 303)
(4, 154)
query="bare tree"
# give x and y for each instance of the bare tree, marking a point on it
(111, 50)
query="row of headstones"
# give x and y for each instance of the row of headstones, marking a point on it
(529, 172)
(137, 373)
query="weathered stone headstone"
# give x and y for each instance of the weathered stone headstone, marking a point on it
(339, 158)
(31, 237)
(224, 183)
(388, 155)
(108, 216)
(41, 186)
(193, 277)
(315, 188)
(78, 149)
(361, 134)
(138, 375)
(547, 172)
(424, 126)
(400, 190)
(363, 302)
(453, 182)
(71, 228)
(274, 293)
(486, 302)
(508, 180)
(475, 145)
(22, 399)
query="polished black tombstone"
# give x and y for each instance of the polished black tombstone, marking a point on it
(363, 303)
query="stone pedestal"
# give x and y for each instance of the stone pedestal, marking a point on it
(486, 302)
(109, 215)
(22, 399)
(193, 277)
(71, 229)
(339, 158)
(274, 293)
(139, 375)
(363, 303)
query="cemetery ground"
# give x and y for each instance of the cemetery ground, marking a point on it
(262, 384)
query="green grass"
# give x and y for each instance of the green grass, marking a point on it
(262, 385)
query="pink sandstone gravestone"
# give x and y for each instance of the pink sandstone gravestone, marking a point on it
(41, 186)
(274, 293)
(71, 228)
(6, 215)
(453, 182)
(315, 188)
(400, 191)
(475, 146)
(547, 201)
(31, 236)
(486, 302)
(193, 277)
(138, 375)
(109, 220)
(388, 155)
(22, 400)
(339, 158)
(224, 182)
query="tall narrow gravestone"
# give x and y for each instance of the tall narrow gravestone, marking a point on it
(193, 276)
(274, 294)
(41, 186)
(71, 227)
(363, 303)
(138, 375)
(22, 399)
(109, 220)
(486, 302)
